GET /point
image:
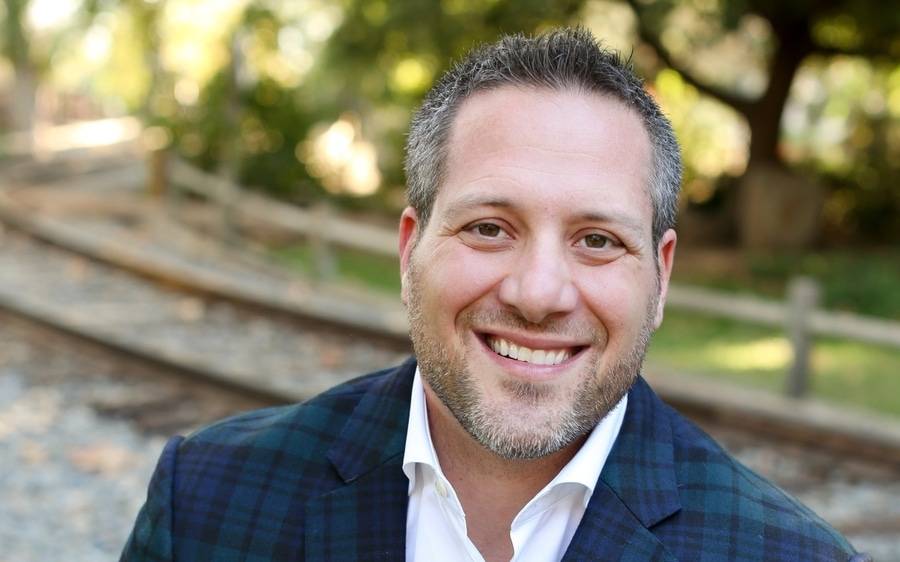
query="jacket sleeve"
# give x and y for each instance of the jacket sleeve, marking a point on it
(151, 538)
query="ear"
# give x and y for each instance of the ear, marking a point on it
(409, 232)
(665, 253)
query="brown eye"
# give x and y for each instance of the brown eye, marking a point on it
(488, 230)
(596, 241)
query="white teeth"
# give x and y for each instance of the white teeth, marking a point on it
(551, 358)
(527, 355)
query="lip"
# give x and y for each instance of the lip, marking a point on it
(529, 371)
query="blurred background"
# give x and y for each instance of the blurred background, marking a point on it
(788, 114)
(262, 143)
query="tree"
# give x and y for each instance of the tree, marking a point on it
(30, 53)
(17, 48)
(778, 207)
(384, 55)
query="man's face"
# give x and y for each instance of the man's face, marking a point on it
(535, 285)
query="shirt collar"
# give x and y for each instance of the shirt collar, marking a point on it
(583, 470)
(419, 448)
(586, 465)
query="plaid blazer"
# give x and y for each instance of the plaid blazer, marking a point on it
(323, 481)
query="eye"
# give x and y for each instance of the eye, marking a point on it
(487, 235)
(487, 229)
(597, 241)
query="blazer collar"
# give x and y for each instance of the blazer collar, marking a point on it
(365, 519)
(641, 466)
(376, 430)
(637, 488)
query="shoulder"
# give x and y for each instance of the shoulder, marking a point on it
(720, 496)
(304, 428)
(246, 480)
(289, 445)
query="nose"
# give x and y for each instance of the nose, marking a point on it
(539, 284)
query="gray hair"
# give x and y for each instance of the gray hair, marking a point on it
(561, 59)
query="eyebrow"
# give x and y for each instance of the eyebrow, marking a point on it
(618, 218)
(474, 201)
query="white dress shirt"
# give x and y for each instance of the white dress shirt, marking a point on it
(541, 532)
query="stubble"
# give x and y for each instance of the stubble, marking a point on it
(530, 423)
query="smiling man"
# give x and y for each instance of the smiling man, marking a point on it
(535, 257)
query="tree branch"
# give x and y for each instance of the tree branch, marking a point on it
(739, 104)
(868, 51)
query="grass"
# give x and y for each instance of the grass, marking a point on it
(374, 272)
(845, 372)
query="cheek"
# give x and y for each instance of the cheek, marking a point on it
(618, 297)
(456, 277)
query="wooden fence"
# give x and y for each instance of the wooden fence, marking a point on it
(798, 314)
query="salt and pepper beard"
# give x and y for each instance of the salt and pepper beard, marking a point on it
(449, 376)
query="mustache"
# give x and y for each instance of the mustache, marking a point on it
(510, 319)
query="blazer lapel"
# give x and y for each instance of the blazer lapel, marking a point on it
(637, 488)
(366, 518)
(610, 531)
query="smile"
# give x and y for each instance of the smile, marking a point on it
(526, 354)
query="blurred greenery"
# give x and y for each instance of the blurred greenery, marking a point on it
(852, 281)
(311, 100)
(844, 372)
(373, 272)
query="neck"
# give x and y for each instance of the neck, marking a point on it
(478, 473)
(491, 489)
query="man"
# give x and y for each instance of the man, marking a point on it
(535, 258)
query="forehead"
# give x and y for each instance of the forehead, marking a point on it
(557, 148)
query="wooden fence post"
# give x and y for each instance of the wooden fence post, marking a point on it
(157, 172)
(230, 156)
(324, 261)
(803, 297)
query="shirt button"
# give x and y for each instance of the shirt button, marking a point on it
(441, 488)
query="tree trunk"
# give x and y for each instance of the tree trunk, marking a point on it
(23, 102)
(25, 87)
(778, 209)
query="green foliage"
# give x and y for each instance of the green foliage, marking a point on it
(376, 66)
(832, 111)
(305, 65)
(852, 281)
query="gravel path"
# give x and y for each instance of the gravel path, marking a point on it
(286, 356)
(72, 474)
(80, 432)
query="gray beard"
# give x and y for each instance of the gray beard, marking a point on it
(449, 376)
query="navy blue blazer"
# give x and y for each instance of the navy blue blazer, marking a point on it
(323, 481)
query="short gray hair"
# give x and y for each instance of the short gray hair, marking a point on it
(563, 59)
